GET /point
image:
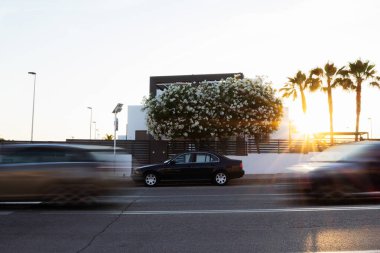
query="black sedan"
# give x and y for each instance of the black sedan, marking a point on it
(191, 166)
(341, 172)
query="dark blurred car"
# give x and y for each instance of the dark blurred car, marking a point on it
(57, 173)
(191, 166)
(340, 172)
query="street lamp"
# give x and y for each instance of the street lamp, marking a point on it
(90, 108)
(115, 111)
(34, 95)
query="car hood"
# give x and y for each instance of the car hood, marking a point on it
(151, 166)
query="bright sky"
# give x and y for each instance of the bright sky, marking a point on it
(99, 53)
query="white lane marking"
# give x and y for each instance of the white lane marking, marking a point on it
(229, 211)
(276, 210)
(116, 212)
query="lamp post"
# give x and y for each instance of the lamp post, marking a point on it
(370, 125)
(115, 111)
(34, 95)
(94, 122)
(90, 108)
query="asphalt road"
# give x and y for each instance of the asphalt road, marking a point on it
(240, 217)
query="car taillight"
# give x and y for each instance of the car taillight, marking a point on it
(241, 165)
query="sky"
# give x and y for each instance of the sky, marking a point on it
(99, 53)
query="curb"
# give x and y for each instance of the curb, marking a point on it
(246, 179)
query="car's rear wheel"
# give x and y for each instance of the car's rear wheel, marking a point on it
(220, 178)
(151, 179)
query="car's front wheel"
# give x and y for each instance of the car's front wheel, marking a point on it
(220, 178)
(151, 179)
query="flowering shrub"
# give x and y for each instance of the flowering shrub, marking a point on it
(231, 107)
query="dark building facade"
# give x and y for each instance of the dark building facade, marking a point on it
(162, 82)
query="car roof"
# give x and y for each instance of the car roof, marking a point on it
(197, 152)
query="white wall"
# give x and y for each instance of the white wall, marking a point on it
(136, 120)
(270, 163)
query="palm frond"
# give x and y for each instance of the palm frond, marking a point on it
(330, 69)
(316, 72)
(343, 72)
(300, 78)
(346, 83)
(375, 84)
(314, 84)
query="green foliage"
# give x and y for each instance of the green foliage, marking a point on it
(108, 137)
(230, 107)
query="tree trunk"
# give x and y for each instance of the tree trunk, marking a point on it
(303, 99)
(358, 108)
(329, 97)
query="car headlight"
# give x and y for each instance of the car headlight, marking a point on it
(137, 172)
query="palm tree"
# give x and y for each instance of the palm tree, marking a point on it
(299, 83)
(332, 77)
(359, 72)
(108, 137)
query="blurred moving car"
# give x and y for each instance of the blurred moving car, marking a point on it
(191, 166)
(57, 173)
(340, 172)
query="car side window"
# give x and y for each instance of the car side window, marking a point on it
(61, 155)
(185, 158)
(42, 155)
(205, 158)
(20, 156)
(214, 158)
(201, 158)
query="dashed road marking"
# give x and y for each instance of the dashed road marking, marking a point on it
(228, 211)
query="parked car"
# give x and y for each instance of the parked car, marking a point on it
(191, 166)
(340, 172)
(57, 173)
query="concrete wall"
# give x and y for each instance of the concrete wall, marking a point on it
(270, 163)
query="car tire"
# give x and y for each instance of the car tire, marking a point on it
(220, 178)
(151, 179)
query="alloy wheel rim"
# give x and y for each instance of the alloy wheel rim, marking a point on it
(221, 178)
(150, 179)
